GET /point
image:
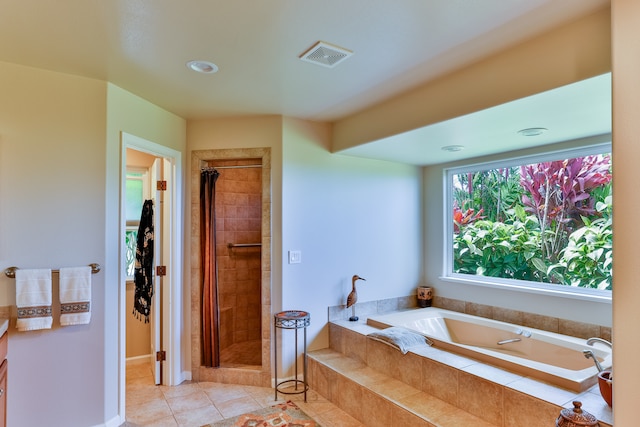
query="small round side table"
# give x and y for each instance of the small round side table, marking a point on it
(292, 319)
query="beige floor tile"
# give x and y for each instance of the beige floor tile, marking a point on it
(140, 382)
(238, 406)
(147, 412)
(219, 393)
(139, 396)
(139, 370)
(367, 376)
(163, 422)
(393, 389)
(266, 397)
(188, 402)
(179, 390)
(194, 404)
(199, 417)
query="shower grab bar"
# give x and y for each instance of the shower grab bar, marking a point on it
(242, 245)
(11, 271)
(236, 167)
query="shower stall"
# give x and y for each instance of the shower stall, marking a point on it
(235, 331)
(232, 285)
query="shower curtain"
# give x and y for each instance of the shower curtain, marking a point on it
(210, 314)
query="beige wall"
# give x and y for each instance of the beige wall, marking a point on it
(52, 214)
(626, 158)
(135, 116)
(245, 132)
(138, 342)
(347, 216)
(60, 169)
(571, 53)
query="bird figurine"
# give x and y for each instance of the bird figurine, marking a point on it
(353, 298)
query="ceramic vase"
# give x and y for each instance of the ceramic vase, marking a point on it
(605, 383)
(425, 296)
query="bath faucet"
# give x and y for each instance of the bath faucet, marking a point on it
(589, 354)
(593, 340)
(509, 340)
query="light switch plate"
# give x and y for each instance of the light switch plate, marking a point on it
(295, 257)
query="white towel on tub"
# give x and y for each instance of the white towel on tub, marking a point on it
(75, 295)
(33, 299)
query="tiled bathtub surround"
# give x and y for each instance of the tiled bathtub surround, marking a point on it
(380, 386)
(530, 320)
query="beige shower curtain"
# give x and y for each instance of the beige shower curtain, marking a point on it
(210, 314)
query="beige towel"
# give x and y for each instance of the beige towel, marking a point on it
(75, 295)
(33, 299)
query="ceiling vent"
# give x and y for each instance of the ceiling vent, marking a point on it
(325, 54)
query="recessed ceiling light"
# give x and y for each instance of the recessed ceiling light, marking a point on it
(452, 148)
(532, 131)
(205, 67)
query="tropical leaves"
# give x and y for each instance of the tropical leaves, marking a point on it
(548, 222)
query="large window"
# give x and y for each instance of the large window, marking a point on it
(136, 191)
(541, 222)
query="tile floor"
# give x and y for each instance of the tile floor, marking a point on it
(197, 403)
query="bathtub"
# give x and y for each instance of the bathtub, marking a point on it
(546, 356)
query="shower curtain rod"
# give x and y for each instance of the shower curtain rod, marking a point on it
(232, 167)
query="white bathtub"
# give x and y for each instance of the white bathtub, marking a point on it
(547, 356)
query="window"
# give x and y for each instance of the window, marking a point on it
(136, 189)
(542, 222)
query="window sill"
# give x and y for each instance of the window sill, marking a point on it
(592, 295)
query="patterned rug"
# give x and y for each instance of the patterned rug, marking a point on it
(280, 415)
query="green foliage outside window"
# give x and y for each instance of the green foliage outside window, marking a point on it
(545, 222)
(131, 237)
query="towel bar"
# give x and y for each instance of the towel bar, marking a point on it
(11, 271)
(243, 245)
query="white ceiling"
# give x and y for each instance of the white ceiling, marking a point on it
(143, 45)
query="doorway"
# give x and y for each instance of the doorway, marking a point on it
(245, 300)
(144, 332)
(160, 336)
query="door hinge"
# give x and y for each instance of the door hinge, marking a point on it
(161, 270)
(161, 185)
(161, 356)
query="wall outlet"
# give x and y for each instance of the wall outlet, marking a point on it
(295, 257)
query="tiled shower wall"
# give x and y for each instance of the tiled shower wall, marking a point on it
(239, 221)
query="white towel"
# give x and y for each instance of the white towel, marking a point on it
(75, 295)
(33, 299)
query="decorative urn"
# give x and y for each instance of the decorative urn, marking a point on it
(576, 417)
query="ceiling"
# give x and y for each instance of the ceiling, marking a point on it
(143, 45)
(571, 112)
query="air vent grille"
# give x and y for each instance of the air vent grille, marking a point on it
(325, 54)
